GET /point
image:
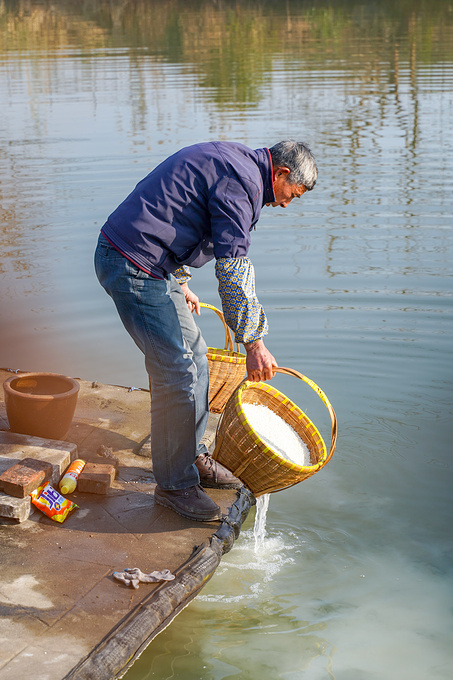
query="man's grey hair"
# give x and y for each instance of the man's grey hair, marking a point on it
(299, 159)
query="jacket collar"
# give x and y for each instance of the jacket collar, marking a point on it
(265, 166)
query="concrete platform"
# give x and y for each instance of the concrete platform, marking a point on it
(62, 614)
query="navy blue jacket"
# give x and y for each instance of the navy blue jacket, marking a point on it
(200, 203)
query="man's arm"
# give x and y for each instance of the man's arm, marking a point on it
(245, 315)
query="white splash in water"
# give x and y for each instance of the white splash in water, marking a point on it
(244, 574)
(256, 560)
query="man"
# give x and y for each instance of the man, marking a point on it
(199, 204)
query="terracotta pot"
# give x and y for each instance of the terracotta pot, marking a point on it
(41, 404)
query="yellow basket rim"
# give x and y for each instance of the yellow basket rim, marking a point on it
(217, 354)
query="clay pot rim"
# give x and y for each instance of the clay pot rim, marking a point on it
(75, 387)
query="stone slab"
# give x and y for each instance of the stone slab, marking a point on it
(16, 447)
(17, 509)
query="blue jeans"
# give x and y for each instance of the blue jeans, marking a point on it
(155, 314)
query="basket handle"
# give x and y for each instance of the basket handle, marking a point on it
(323, 397)
(229, 345)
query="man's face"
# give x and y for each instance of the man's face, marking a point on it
(285, 191)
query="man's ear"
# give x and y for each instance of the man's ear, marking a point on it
(281, 170)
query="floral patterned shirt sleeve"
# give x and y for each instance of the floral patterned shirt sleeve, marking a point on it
(242, 310)
(182, 275)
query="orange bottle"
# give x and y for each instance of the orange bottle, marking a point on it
(68, 482)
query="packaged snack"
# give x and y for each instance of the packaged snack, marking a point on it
(52, 503)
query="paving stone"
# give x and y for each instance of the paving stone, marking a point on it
(17, 509)
(22, 478)
(96, 478)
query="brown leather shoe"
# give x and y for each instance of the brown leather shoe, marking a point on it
(192, 502)
(215, 476)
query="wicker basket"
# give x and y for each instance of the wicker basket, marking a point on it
(240, 450)
(226, 368)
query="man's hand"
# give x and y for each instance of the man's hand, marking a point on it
(192, 300)
(260, 362)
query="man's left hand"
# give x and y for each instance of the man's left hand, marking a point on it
(192, 300)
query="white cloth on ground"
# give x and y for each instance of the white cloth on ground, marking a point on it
(132, 577)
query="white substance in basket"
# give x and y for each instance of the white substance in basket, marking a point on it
(277, 434)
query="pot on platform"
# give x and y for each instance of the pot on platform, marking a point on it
(41, 404)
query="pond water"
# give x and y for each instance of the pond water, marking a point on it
(353, 580)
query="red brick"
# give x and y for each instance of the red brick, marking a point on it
(96, 478)
(24, 477)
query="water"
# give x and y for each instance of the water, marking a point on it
(353, 581)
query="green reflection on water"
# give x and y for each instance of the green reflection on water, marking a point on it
(233, 46)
